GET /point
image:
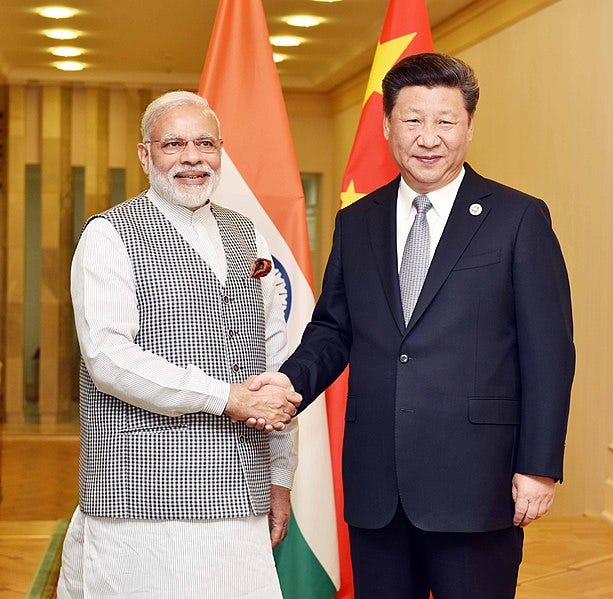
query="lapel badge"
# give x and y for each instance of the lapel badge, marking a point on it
(475, 209)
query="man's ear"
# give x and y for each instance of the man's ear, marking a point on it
(471, 126)
(386, 127)
(143, 156)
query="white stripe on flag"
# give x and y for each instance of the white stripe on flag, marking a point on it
(312, 509)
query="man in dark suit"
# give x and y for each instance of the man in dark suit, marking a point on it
(459, 389)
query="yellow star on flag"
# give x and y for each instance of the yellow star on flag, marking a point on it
(350, 195)
(386, 56)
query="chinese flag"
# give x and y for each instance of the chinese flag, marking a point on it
(406, 31)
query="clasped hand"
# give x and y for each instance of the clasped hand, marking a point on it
(265, 402)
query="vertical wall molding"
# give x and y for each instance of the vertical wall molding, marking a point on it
(55, 376)
(13, 371)
(3, 231)
(608, 500)
(97, 188)
(137, 100)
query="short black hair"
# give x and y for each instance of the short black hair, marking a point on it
(430, 69)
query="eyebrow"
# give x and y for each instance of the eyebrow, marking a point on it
(170, 136)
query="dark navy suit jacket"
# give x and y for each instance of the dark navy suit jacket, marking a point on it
(444, 411)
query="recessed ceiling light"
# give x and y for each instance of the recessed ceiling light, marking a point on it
(329, 1)
(56, 12)
(279, 57)
(62, 34)
(285, 40)
(69, 65)
(66, 51)
(303, 20)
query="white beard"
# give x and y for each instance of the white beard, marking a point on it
(190, 197)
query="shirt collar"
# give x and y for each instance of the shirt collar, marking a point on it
(179, 214)
(442, 199)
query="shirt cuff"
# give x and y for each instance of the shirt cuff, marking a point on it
(218, 399)
(281, 477)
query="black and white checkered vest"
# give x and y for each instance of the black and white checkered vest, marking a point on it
(137, 464)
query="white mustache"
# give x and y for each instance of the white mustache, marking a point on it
(175, 170)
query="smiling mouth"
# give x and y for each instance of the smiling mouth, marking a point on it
(427, 159)
(192, 176)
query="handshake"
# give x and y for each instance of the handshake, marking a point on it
(265, 402)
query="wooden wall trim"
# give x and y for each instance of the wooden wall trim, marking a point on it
(137, 101)
(13, 378)
(480, 20)
(55, 376)
(97, 188)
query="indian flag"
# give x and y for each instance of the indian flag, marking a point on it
(261, 180)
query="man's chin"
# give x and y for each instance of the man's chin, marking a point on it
(190, 201)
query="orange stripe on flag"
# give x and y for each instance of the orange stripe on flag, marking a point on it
(241, 83)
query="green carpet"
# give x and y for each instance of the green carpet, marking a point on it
(45, 580)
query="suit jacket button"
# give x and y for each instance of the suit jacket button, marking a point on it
(404, 358)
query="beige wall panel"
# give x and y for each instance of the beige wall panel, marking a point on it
(313, 137)
(480, 20)
(118, 153)
(32, 124)
(544, 125)
(13, 372)
(56, 375)
(97, 184)
(136, 102)
(78, 126)
(4, 95)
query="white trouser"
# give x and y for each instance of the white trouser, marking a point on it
(167, 559)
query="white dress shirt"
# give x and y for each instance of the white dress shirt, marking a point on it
(442, 201)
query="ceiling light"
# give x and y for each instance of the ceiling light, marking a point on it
(329, 1)
(285, 40)
(279, 57)
(62, 34)
(303, 21)
(56, 12)
(66, 51)
(69, 65)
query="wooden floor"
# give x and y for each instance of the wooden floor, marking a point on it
(564, 558)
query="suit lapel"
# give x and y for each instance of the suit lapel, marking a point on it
(460, 229)
(382, 230)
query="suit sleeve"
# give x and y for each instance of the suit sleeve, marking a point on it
(324, 350)
(545, 344)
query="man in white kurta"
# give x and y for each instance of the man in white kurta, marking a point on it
(171, 320)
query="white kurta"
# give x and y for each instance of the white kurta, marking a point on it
(211, 558)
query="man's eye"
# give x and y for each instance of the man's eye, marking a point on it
(173, 143)
(204, 143)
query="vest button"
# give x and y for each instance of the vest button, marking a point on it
(226, 299)
(236, 367)
(241, 439)
(231, 333)
(403, 358)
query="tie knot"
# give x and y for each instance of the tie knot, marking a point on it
(422, 204)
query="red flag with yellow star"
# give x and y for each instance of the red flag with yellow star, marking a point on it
(406, 31)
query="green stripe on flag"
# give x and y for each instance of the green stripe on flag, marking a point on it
(300, 573)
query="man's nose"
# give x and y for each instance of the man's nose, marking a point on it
(190, 153)
(428, 136)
